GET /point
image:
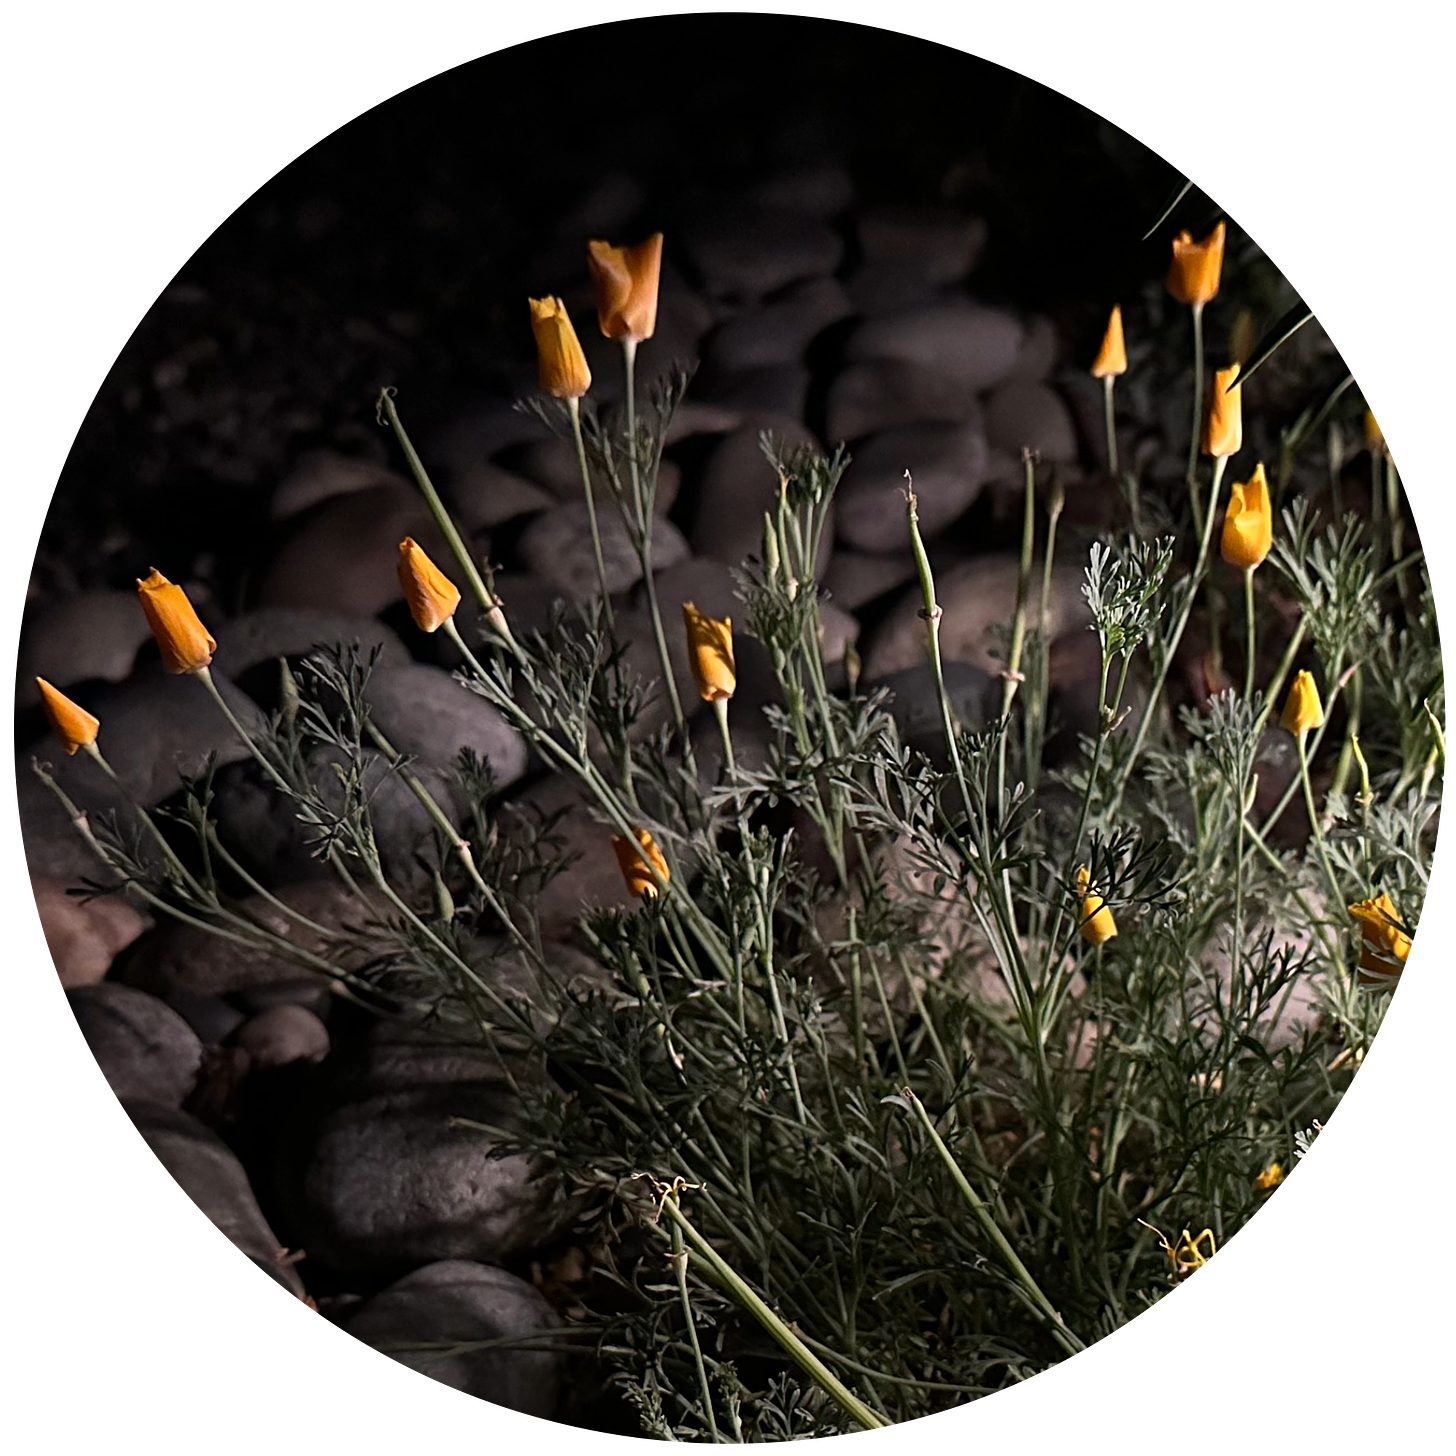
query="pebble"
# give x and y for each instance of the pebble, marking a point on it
(975, 598)
(69, 640)
(948, 464)
(552, 465)
(746, 252)
(915, 702)
(822, 189)
(145, 1050)
(482, 495)
(780, 389)
(459, 1302)
(83, 936)
(780, 332)
(341, 555)
(970, 344)
(186, 958)
(265, 635)
(320, 475)
(210, 1017)
(1041, 347)
(557, 548)
(738, 485)
(855, 578)
(212, 1177)
(283, 1035)
(426, 714)
(393, 1180)
(885, 394)
(935, 244)
(1023, 414)
(886, 288)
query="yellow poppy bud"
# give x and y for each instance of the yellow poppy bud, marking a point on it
(431, 595)
(1302, 708)
(1223, 424)
(1374, 437)
(70, 722)
(1271, 1177)
(1194, 272)
(1111, 358)
(710, 650)
(634, 860)
(561, 365)
(187, 646)
(1248, 527)
(1384, 946)
(626, 283)
(1098, 926)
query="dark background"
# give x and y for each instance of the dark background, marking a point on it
(133, 1314)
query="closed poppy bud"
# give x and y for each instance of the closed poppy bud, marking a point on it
(1111, 358)
(431, 595)
(561, 365)
(1271, 1177)
(710, 651)
(1302, 708)
(1194, 272)
(1248, 527)
(1098, 926)
(1223, 425)
(187, 646)
(626, 283)
(1374, 437)
(1384, 946)
(634, 860)
(70, 722)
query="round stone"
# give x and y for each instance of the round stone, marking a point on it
(144, 1049)
(970, 344)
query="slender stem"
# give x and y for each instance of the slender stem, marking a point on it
(679, 1261)
(798, 1351)
(983, 1216)
(720, 712)
(1195, 438)
(1109, 420)
(1315, 827)
(1250, 640)
(574, 407)
(448, 530)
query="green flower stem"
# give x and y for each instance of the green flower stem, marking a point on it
(1109, 421)
(679, 1262)
(483, 595)
(204, 676)
(574, 408)
(1032, 1290)
(776, 1326)
(720, 712)
(1155, 694)
(1276, 683)
(1315, 828)
(1195, 436)
(1250, 640)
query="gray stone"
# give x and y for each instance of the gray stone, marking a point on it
(970, 344)
(935, 244)
(746, 252)
(482, 495)
(557, 548)
(915, 702)
(853, 579)
(778, 389)
(322, 474)
(457, 1302)
(341, 556)
(696, 417)
(273, 632)
(144, 1049)
(185, 958)
(884, 394)
(976, 598)
(395, 1179)
(821, 189)
(948, 464)
(838, 632)
(210, 1017)
(211, 1176)
(283, 1035)
(780, 332)
(309, 992)
(553, 465)
(68, 640)
(886, 288)
(427, 714)
(738, 485)
(1040, 349)
(83, 936)
(1023, 414)
(604, 210)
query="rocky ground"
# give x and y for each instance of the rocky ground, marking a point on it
(937, 314)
